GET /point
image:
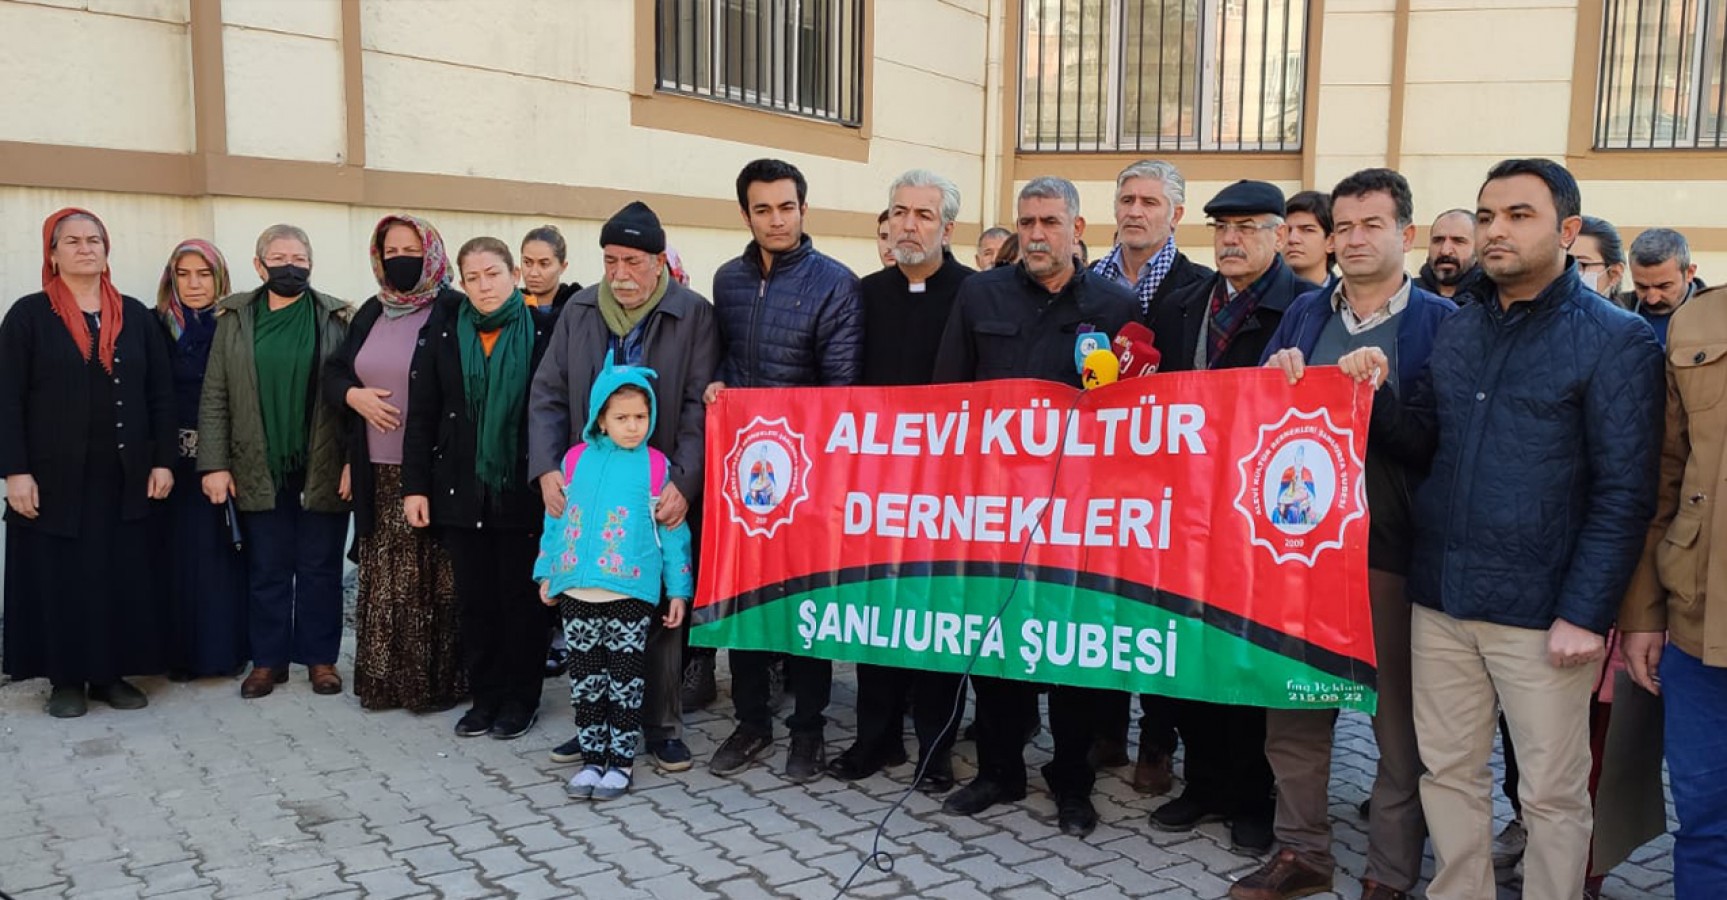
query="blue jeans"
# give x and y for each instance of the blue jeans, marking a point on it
(295, 558)
(1696, 711)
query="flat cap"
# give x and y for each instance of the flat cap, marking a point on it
(1246, 198)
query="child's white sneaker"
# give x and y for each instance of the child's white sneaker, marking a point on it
(614, 785)
(581, 785)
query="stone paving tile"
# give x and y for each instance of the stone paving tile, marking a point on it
(204, 795)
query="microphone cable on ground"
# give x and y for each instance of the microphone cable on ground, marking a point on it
(881, 859)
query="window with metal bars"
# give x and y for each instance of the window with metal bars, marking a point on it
(1663, 81)
(803, 57)
(1162, 75)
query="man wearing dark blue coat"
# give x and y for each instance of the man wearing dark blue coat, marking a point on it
(1375, 323)
(789, 316)
(1548, 402)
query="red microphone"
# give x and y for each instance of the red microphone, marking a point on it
(1135, 347)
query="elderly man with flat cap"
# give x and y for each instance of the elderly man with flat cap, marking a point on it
(641, 316)
(1225, 322)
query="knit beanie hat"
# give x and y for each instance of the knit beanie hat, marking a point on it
(634, 226)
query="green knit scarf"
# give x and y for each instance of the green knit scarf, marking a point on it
(283, 344)
(496, 384)
(621, 321)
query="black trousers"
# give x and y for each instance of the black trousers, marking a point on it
(811, 683)
(1005, 706)
(1156, 722)
(1226, 769)
(883, 693)
(504, 635)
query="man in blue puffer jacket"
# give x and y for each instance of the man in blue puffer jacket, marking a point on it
(1549, 407)
(789, 316)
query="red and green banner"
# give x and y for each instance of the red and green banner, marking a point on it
(1196, 534)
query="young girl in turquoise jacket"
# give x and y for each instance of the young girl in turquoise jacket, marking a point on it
(602, 563)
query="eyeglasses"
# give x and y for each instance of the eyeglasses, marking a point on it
(1586, 264)
(1240, 228)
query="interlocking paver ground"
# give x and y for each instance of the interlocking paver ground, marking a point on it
(204, 794)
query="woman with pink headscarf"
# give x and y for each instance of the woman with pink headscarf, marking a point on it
(203, 571)
(405, 618)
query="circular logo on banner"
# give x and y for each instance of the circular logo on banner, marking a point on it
(1300, 483)
(765, 474)
(1296, 491)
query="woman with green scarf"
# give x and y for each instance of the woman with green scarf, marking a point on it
(464, 474)
(271, 444)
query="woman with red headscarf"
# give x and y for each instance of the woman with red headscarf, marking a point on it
(405, 617)
(204, 572)
(86, 443)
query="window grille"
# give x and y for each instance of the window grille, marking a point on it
(803, 57)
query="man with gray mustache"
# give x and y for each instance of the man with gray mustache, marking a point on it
(637, 315)
(1225, 322)
(1021, 321)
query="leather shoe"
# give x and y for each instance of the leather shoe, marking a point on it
(325, 679)
(938, 776)
(1182, 814)
(1154, 774)
(261, 681)
(67, 701)
(856, 763)
(1283, 877)
(1075, 814)
(1373, 890)
(978, 796)
(119, 694)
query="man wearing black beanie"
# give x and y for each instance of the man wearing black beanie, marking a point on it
(637, 315)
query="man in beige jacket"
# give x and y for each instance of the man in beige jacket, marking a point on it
(1681, 589)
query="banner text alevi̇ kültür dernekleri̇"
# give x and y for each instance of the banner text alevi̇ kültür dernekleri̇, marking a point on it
(1192, 534)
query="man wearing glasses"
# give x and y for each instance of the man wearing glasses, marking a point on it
(1225, 322)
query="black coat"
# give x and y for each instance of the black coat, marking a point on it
(1184, 315)
(440, 449)
(1006, 325)
(565, 292)
(339, 378)
(45, 410)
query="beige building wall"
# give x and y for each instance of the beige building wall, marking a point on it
(218, 117)
(494, 116)
(1400, 83)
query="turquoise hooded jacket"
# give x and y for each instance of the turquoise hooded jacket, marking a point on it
(607, 537)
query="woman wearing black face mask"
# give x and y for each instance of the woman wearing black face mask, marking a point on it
(268, 440)
(405, 616)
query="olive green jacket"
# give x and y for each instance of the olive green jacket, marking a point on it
(231, 419)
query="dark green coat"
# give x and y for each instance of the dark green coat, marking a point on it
(231, 420)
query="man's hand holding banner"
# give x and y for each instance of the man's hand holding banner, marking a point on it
(1198, 535)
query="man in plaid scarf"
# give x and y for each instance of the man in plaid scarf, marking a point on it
(1225, 322)
(1150, 198)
